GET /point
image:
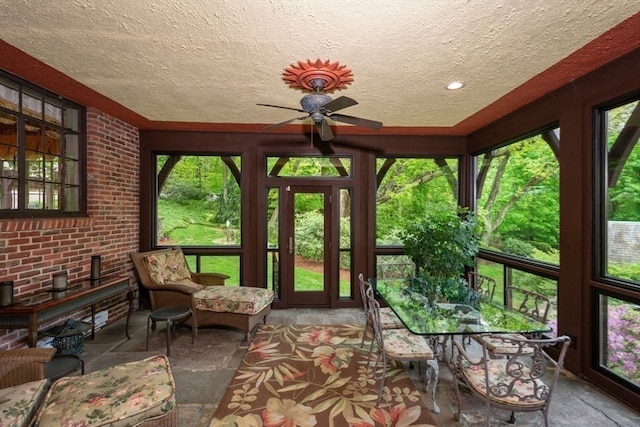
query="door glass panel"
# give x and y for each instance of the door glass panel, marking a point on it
(309, 229)
(346, 290)
(273, 242)
(619, 338)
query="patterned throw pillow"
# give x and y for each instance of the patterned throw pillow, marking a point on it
(167, 267)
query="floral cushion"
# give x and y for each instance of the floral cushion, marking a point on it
(402, 344)
(123, 395)
(167, 267)
(389, 320)
(522, 392)
(233, 299)
(19, 403)
(498, 346)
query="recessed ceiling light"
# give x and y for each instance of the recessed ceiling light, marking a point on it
(455, 85)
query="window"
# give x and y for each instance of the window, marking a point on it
(517, 197)
(198, 206)
(42, 149)
(407, 189)
(620, 192)
(309, 166)
(619, 334)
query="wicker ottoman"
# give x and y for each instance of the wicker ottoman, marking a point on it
(138, 393)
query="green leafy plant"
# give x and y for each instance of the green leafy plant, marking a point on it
(442, 245)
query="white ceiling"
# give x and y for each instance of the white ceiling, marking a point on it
(211, 61)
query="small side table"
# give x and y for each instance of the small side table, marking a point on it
(61, 365)
(170, 315)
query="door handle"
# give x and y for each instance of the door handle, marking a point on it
(290, 245)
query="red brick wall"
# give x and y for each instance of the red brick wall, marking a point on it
(32, 249)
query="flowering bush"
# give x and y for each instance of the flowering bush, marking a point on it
(624, 341)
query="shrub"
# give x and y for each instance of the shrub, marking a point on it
(623, 356)
(517, 247)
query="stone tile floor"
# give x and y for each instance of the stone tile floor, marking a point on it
(203, 370)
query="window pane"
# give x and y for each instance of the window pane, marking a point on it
(199, 200)
(407, 189)
(540, 285)
(52, 142)
(9, 174)
(224, 264)
(9, 144)
(517, 191)
(72, 172)
(72, 146)
(393, 266)
(619, 336)
(309, 166)
(44, 195)
(52, 112)
(9, 153)
(32, 104)
(622, 229)
(72, 198)
(72, 119)
(9, 95)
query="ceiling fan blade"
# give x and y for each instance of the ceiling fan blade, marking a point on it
(372, 124)
(324, 130)
(286, 122)
(284, 108)
(339, 104)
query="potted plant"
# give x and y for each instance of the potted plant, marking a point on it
(442, 245)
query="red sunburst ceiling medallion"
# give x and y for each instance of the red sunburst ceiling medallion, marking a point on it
(318, 75)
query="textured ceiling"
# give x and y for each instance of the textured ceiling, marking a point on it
(212, 61)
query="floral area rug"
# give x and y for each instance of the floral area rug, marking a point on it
(303, 376)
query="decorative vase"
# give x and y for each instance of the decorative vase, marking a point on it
(60, 281)
(95, 268)
(6, 293)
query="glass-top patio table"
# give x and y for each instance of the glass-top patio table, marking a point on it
(422, 318)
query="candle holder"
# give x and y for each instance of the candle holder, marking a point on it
(95, 268)
(6, 293)
(60, 281)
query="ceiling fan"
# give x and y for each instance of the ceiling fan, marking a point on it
(320, 76)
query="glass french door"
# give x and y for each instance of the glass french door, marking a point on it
(306, 279)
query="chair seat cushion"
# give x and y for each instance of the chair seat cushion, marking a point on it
(402, 344)
(498, 346)
(123, 395)
(389, 320)
(20, 403)
(523, 392)
(233, 299)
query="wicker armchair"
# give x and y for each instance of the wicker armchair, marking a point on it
(19, 366)
(166, 276)
(23, 384)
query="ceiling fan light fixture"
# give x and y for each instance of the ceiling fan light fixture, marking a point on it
(317, 75)
(455, 85)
